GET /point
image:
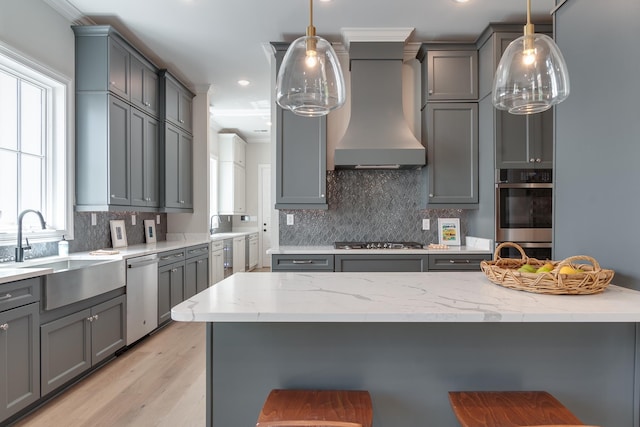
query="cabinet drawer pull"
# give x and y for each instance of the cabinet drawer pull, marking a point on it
(459, 261)
(95, 317)
(200, 262)
(302, 261)
(90, 318)
(4, 326)
(7, 296)
(173, 270)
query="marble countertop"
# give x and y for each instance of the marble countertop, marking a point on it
(395, 297)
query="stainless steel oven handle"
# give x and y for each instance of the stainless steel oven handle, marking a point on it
(524, 185)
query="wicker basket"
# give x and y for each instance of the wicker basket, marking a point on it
(504, 272)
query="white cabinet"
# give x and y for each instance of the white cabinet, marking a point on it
(231, 183)
(239, 254)
(216, 262)
(253, 251)
(232, 148)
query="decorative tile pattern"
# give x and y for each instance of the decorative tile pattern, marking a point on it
(89, 238)
(374, 205)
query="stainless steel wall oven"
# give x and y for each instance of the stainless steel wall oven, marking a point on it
(524, 210)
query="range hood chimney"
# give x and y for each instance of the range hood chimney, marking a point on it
(378, 136)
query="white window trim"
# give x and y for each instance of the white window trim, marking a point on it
(64, 101)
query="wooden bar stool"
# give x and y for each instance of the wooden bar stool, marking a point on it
(317, 408)
(510, 409)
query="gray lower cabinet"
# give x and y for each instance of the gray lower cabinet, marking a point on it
(176, 169)
(450, 133)
(382, 263)
(19, 359)
(196, 270)
(170, 289)
(73, 344)
(301, 156)
(300, 263)
(455, 262)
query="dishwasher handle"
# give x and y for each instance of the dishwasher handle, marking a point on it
(142, 261)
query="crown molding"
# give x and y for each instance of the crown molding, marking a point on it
(399, 34)
(69, 11)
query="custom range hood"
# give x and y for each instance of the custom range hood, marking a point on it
(378, 136)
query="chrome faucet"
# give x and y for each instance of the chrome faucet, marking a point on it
(211, 227)
(20, 250)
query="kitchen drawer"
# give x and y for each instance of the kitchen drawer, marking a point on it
(170, 257)
(456, 262)
(198, 250)
(217, 245)
(381, 263)
(21, 292)
(302, 263)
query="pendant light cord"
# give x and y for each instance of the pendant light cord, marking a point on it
(311, 30)
(528, 11)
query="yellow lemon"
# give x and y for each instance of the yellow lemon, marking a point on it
(569, 270)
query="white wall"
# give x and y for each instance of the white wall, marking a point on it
(38, 31)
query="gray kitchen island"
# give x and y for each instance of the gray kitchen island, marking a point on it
(409, 338)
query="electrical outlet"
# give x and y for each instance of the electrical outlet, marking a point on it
(94, 219)
(289, 219)
(426, 224)
(133, 220)
(157, 219)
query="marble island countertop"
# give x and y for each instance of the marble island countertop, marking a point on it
(395, 297)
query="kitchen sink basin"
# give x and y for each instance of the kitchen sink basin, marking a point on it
(74, 280)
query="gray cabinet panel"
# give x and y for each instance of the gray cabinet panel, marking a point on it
(65, 349)
(119, 157)
(196, 276)
(144, 155)
(171, 282)
(164, 295)
(22, 292)
(302, 262)
(524, 141)
(176, 169)
(108, 329)
(452, 153)
(452, 75)
(119, 60)
(381, 263)
(19, 359)
(454, 262)
(176, 101)
(144, 86)
(202, 274)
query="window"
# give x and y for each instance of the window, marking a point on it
(33, 149)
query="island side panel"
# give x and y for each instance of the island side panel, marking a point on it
(409, 367)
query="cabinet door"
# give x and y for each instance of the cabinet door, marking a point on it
(217, 266)
(144, 86)
(301, 162)
(150, 91)
(164, 294)
(190, 278)
(108, 328)
(541, 135)
(138, 136)
(19, 359)
(238, 255)
(202, 274)
(239, 189)
(119, 68)
(65, 346)
(445, 262)
(172, 101)
(452, 153)
(177, 284)
(119, 155)
(253, 253)
(452, 75)
(524, 142)
(185, 113)
(151, 161)
(185, 171)
(381, 263)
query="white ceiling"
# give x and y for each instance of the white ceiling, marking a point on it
(218, 42)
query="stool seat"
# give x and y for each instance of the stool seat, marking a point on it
(317, 408)
(510, 409)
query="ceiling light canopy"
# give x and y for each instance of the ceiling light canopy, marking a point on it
(310, 81)
(532, 75)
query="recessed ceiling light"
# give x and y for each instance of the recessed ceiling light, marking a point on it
(244, 82)
(460, 1)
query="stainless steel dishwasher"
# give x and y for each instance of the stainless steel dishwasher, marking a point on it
(142, 296)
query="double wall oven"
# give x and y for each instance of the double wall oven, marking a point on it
(524, 212)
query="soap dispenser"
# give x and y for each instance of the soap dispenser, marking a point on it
(63, 247)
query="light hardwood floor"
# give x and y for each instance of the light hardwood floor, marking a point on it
(158, 382)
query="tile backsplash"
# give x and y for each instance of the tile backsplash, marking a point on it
(89, 237)
(374, 205)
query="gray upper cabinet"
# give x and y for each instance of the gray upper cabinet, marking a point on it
(301, 156)
(176, 170)
(524, 142)
(177, 101)
(450, 124)
(116, 100)
(19, 346)
(144, 86)
(452, 152)
(144, 154)
(452, 73)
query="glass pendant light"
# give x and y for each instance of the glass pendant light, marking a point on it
(532, 75)
(310, 81)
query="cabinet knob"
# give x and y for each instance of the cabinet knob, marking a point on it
(181, 121)
(430, 195)
(182, 201)
(538, 160)
(95, 317)
(113, 196)
(90, 318)
(430, 91)
(322, 195)
(532, 160)
(112, 83)
(174, 270)
(8, 296)
(4, 326)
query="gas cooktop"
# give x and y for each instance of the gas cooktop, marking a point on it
(377, 245)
